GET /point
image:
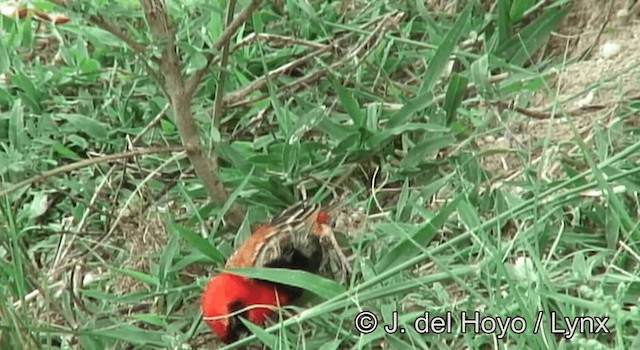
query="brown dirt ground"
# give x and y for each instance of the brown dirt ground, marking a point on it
(590, 90)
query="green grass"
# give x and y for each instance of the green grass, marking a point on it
(114, 254)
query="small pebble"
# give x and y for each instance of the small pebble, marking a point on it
(585, 101)
(502, 142)
(610, 49)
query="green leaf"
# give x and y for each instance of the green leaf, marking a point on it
(96, 36)
(32, 94)
(39, 205)
(504, 20)
(318, 285)
(89, 66)
(290, 156)
(140, 276)
(197, 61)
(130, 334)
(469, 215)
(92, 127)
(410, 246)
(237, 154)
(269, 340)
(336, 131)
(480, 77)
(453, 98)
(519, 8)
(437, 65)
(215, 134)
(199, 243)
(380, 137)
(520, 47)
(5, 62)
(17, 135)
(153, 319)
(78, 141)
(426, 149)
(331, 345)
(168, 256)
(216, 22)
(64, 151)
(349, 104)
(5, 97)
(613, 228)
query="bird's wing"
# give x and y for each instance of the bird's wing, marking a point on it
(245, 255)
(289, 230)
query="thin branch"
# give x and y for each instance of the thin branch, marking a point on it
(120, 34)
(109, 27)
(261, 82)
(86, 163)
(156, 15)
(153, 124)
(222, 73)
(542, 115)
(239, 97)
(222, 76)
(224, 39)
(281, 40)
(181, 98)
(117, 31)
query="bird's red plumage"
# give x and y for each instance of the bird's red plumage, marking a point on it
(290, 240)
(323, 218)
(227, 289)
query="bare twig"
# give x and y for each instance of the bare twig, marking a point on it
(117, 32)
(222, 73)
(542, 115)
(252, 38)
(239, 98)
(181, 94)
(261, 82)
(111, 28)
(196, 78)
(88, 162)
(153, 123)
(278, 39)
(222, 76)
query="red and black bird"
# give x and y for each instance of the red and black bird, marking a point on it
(291, 241)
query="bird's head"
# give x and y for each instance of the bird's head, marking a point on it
(227, 294)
